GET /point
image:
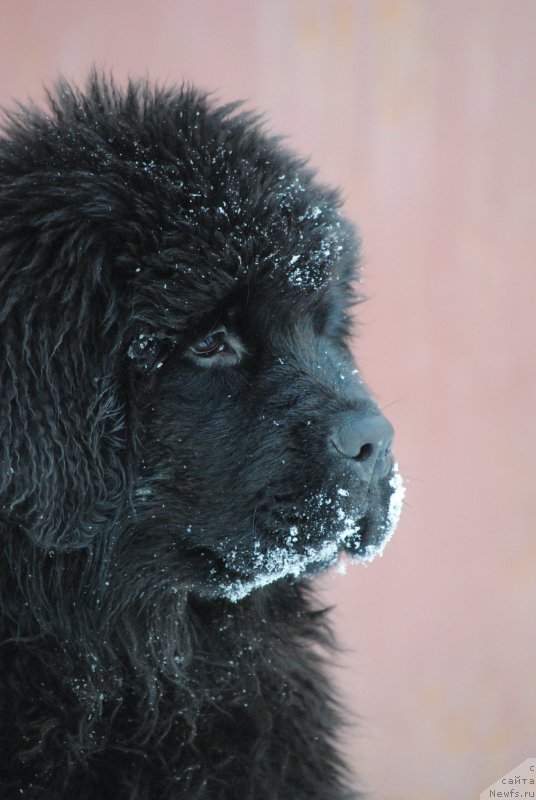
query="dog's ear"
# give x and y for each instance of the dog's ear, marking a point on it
(62, 419)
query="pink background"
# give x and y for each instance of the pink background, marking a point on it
(424, 112)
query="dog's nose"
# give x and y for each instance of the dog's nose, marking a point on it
(366, 440)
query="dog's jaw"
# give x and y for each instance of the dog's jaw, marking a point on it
(369, 551)
(349, 538)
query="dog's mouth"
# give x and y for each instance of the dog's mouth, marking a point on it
(327, 529)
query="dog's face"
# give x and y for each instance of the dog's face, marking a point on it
(215, 300)
(241, 424)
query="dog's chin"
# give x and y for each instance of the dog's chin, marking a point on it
(380, 526)
(314, 545)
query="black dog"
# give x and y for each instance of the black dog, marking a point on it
(184, 440)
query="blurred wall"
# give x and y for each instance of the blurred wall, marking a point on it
(423, 111)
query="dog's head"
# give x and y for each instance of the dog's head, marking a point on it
(175, 295)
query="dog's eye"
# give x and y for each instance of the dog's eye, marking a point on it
(210, 345)
(221, 348)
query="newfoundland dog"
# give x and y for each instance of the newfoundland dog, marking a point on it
(184, 442)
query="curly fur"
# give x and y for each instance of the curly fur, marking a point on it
(158, 514)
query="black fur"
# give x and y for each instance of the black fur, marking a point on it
(161, 507)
